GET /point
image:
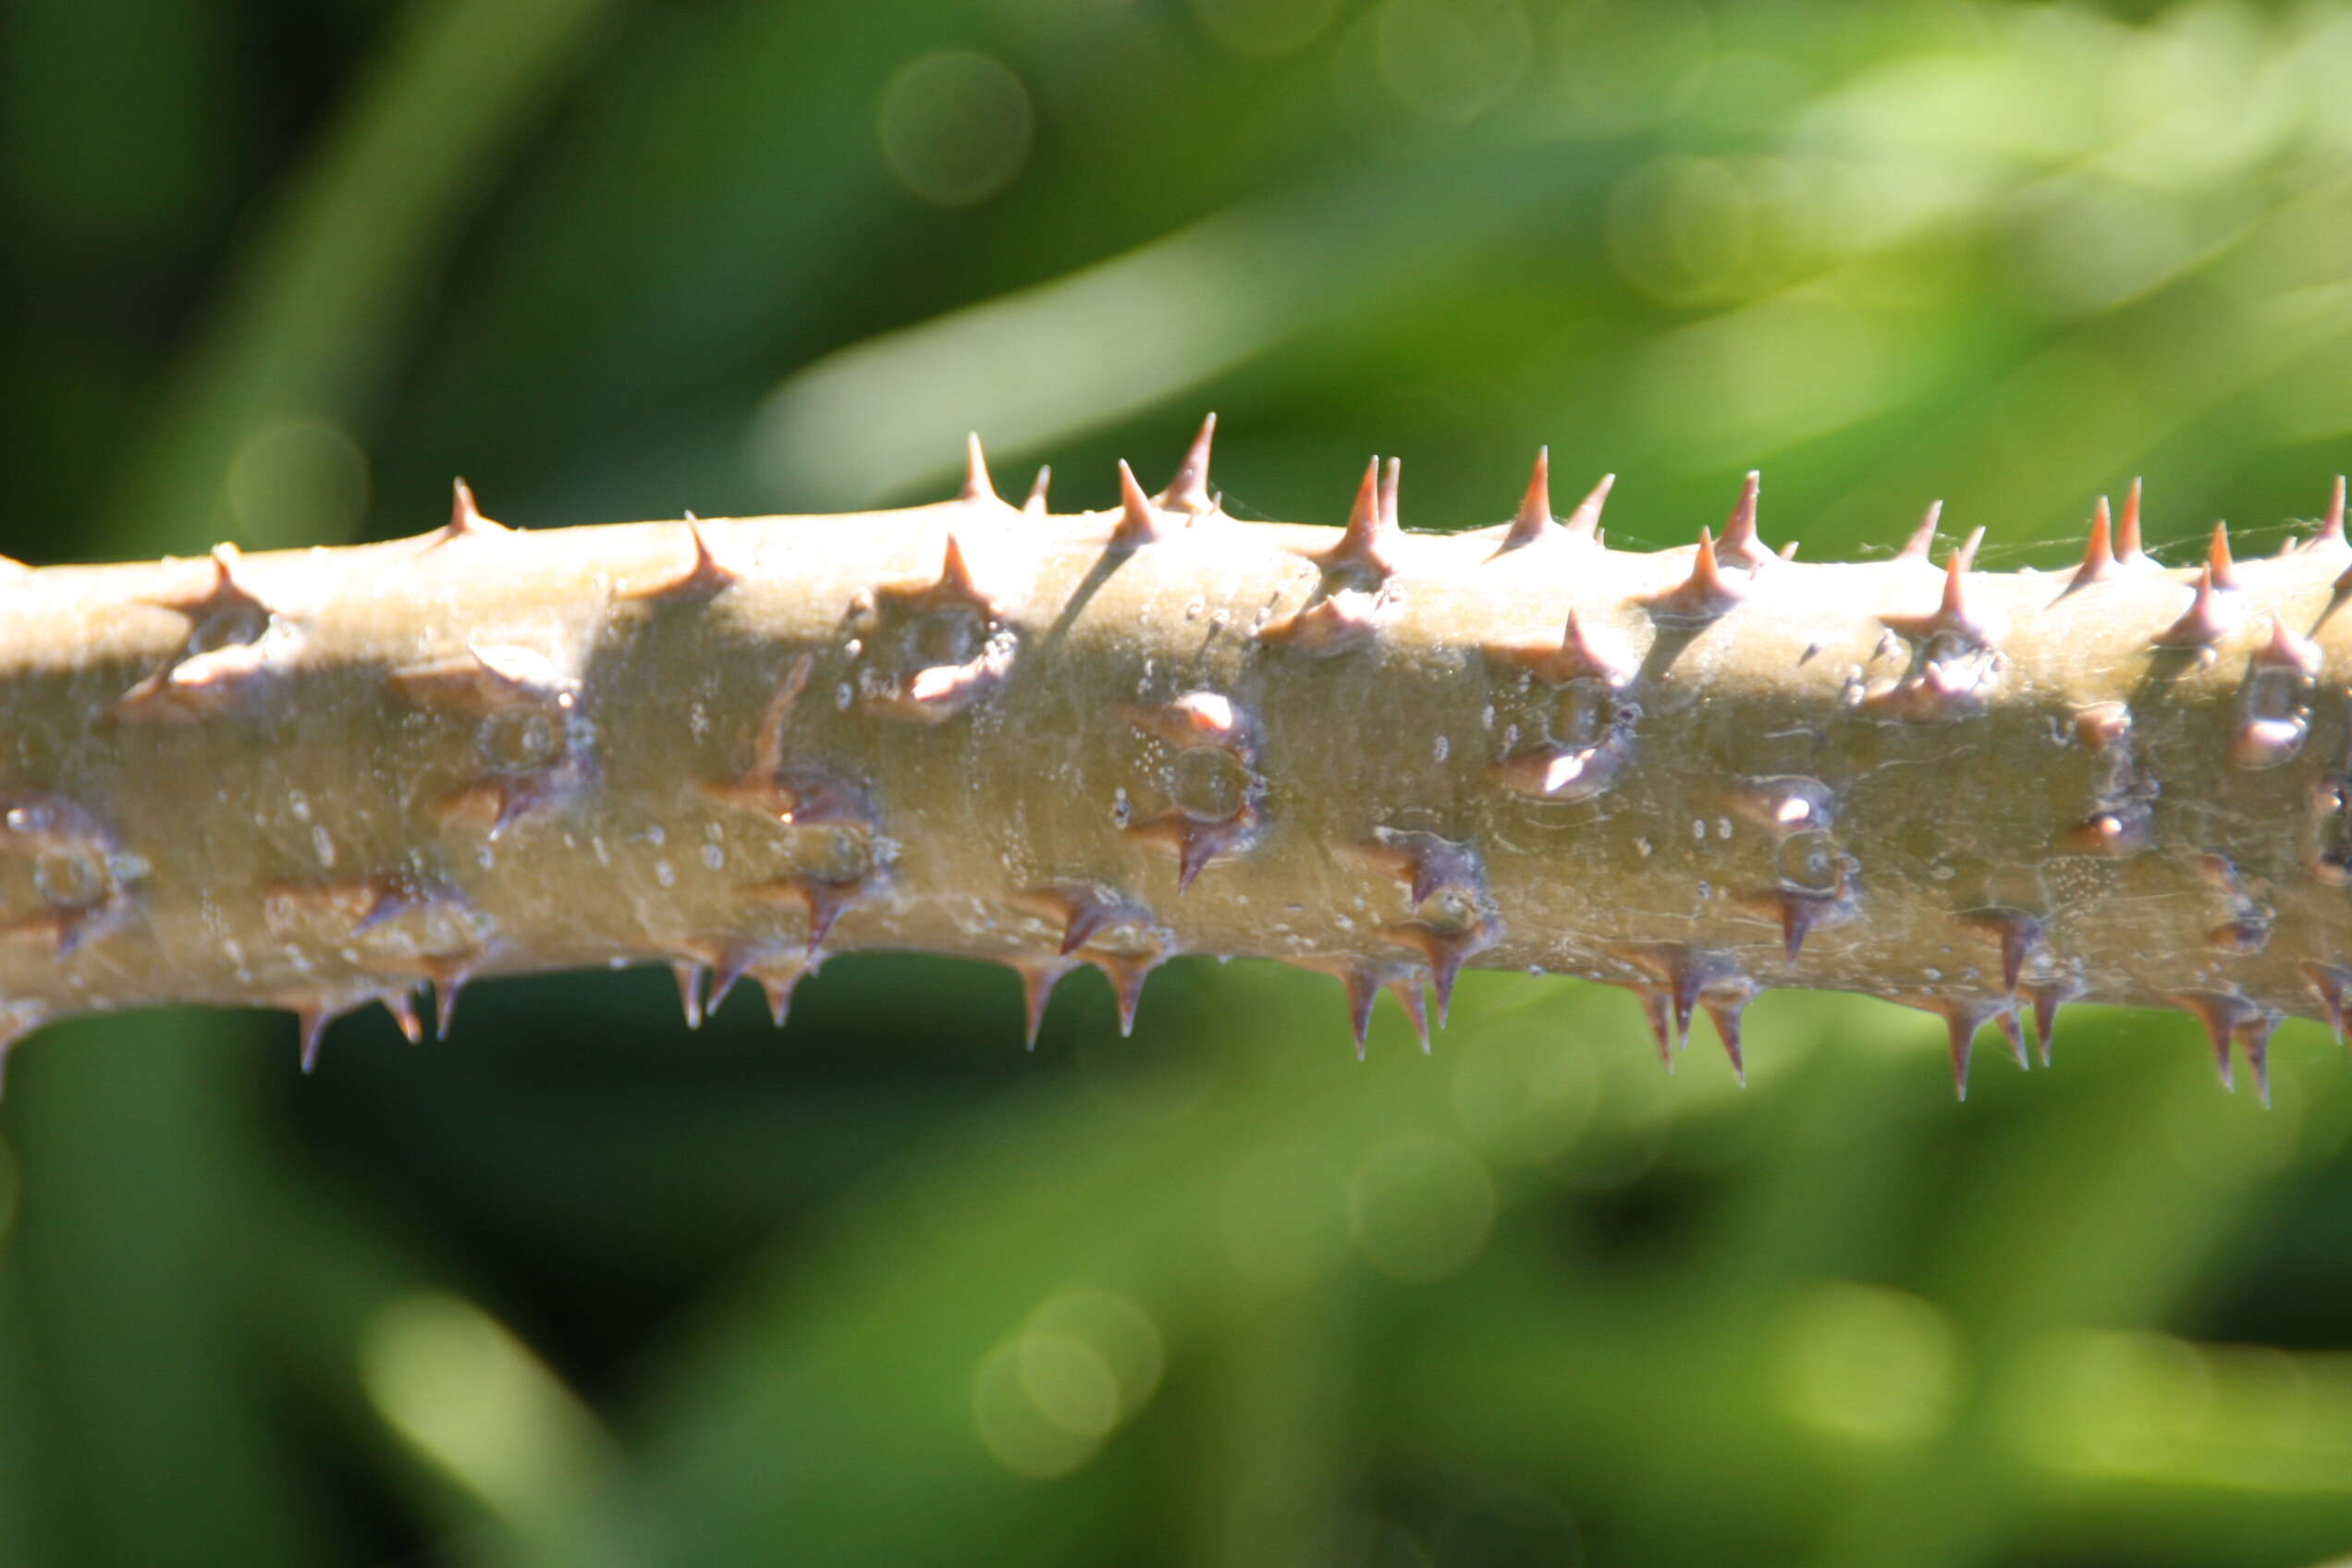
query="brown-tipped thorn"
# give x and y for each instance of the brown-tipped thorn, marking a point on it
(2099, 554)
(1139, 521)
(2015, 1032)
(2203, 623)
(1446, 948)
(689, 974)
(1657, 1011)
(1724, 1012)
(1038, 978)
(1967, 554)
(2047, 1000)
(2015, 932)
(1578, 655)
(1585, 522)
(1921, 543)
(224, 592)
(1740, 545)
(2254, 1039)
(1962, 1019)
(310, 1024)
(1534, 520)
(2218, 565)
(2128, 549)
(705, 575)
(2331, 534)
(978, 488)
(2284, 650)
(777, 985)
(1406, 989)
(403, 1007)
(2333, 984)
(2224, 1015)
(1363, 548)
(1950, 615)
(1426, 864)
(466, 521)
(1188, 492)
(1703, 596)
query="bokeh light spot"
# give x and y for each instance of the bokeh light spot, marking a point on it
(474, 1399)
(1265, 27)
(1118, 1334)
(1422, 1208)
(956, 127)
(1874, 1364)
(1452, 60)
(1011, 1427)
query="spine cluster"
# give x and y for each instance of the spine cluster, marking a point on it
(324, 778)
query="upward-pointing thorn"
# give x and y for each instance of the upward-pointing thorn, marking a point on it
(1389, 496)
(978, 489)
(2127, 550)
(1967, 554)
(2330, 531)
(1704, 595)
(1188, 492)
(1534, 519)
(1363, 543)
(466, 521)
(1950, 615)
(1739, 544)
(1035, 505)
(1585, 522)
(226, 592)
(1922, 540)
(2203, 623)
(705, 577)
(2099, 555)
(1139, 521)
(2217, 559)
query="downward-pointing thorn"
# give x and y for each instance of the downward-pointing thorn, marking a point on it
(2015, 1032)
(1725, 1014)
(312, 1022)
(689, 975)
(447, 988)
(402, 1008)
(978, 488)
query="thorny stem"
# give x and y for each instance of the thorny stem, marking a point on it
(317, 778)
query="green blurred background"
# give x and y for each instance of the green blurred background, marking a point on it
(579, 1287)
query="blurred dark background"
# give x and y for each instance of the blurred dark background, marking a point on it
(579, 1287)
